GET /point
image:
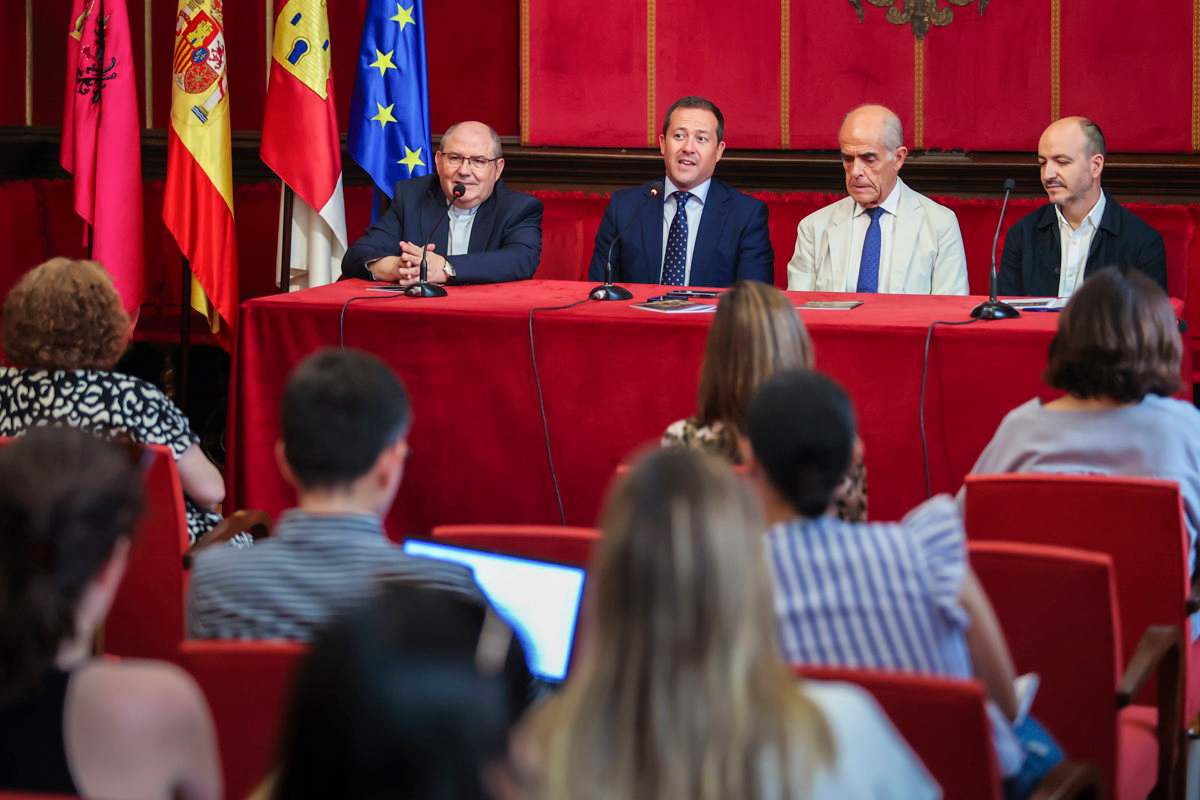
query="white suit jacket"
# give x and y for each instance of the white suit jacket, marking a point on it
(927, 249)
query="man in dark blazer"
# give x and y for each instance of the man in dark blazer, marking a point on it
(1050, 252)
(488, 234)
(720, 238)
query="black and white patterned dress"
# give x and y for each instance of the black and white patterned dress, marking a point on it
(103, 403)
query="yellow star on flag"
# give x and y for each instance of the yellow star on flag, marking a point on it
(384, 115)
(404, 16)
(383, 61)
(411, 160)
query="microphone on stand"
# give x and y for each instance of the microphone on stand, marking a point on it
(606, 290)
(423, 288)
(993, 308)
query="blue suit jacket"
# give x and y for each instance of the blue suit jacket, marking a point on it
(731, 244)
(506, 235)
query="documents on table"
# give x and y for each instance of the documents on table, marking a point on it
(1038, 303)
(830, 305)
(677, 307)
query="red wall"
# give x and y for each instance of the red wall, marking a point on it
(466, 32)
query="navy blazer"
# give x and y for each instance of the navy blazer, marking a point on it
(506, 235)
(732, 242)
(1032, 259)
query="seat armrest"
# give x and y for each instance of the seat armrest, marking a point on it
(1070, 779)
(253, 521)
(1192, 604)
(1159, 653)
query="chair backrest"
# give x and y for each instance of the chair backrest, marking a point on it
(247, 685)
(147, 617)
(943, 720)
(1058, 609)
(1139, 522)
(566, 545)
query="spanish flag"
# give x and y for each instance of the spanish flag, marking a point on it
(300, 139)
(198, 205)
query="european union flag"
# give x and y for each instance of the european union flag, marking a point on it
(389, 113)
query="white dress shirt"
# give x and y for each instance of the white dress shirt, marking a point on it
(694, 208)
(887, 229)
(459, 235)
(1076, 242)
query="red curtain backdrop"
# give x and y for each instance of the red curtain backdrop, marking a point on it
(478, 33)
(786, 71)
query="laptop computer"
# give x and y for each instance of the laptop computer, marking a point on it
(541, 600)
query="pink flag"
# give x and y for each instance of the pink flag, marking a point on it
(101, 142)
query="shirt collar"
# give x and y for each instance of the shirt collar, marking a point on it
(698, 193)
(1094, 216)
(455, 211)
(889, 204)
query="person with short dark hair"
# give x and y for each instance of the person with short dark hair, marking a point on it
(345, 418)
(1050, 252)
(1117, 356)
(720, 237)
(72, 724)
(874, 595)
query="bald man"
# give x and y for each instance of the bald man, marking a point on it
(488, 234)
(883, 237)
(1050, 252)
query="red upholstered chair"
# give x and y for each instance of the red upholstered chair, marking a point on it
(1139, 522)
(247, 685)
(566, 545)
(1058, 609)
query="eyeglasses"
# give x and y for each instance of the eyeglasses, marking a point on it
(455, 160)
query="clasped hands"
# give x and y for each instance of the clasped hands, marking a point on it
(405, 269)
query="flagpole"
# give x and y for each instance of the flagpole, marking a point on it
(185, 338)
(285, 246)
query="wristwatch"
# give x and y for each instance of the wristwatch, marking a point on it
(448, 268)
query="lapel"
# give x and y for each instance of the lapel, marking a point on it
(837, 244)
(652, 240)
(1049, 254)
(433, 212)
(1110, 226)
(909, 219)
(712, 222)
(485, 220)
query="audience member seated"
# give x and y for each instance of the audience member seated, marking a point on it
(64, 330)
(411, 695)
(755, 333)
(71, 724)
(679, 689)
(1117, 356)
(344, 420)
(874, 595)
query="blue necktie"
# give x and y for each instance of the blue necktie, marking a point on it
(675, 261)
(868, 267)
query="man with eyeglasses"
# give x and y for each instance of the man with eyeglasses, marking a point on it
(690, 229)
(489, 233)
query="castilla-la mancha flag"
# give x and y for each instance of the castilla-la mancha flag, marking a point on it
(101, 141)
(300, 140)
(198, 204)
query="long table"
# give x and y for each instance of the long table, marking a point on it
(611, 378)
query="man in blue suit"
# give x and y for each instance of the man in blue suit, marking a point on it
(720, 238)
(486, 233)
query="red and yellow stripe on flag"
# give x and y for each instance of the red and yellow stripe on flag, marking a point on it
(198, 205)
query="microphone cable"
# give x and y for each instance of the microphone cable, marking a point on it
(921, 405)
(537, 382)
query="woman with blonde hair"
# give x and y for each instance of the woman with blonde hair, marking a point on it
(756, 333)
(64, 331)
(680, 690)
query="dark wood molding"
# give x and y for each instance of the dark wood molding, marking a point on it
(33, 153)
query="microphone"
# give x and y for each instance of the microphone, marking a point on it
(992, 308)
(606, 290)
(423, 288)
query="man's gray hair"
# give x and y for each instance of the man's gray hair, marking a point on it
(1095, 137)
(497, 152)
(893, 130)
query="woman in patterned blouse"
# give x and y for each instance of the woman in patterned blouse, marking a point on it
(756, 333)
(64, 331)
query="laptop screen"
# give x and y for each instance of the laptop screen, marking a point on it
(540, 599)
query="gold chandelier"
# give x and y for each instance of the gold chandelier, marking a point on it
(920, 13)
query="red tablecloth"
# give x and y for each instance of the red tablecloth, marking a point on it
(612, 377)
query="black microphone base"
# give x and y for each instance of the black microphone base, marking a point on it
(425, 289)
(607, 291)
(994, 309)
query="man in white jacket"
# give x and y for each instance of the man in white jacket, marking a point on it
(882, 237)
